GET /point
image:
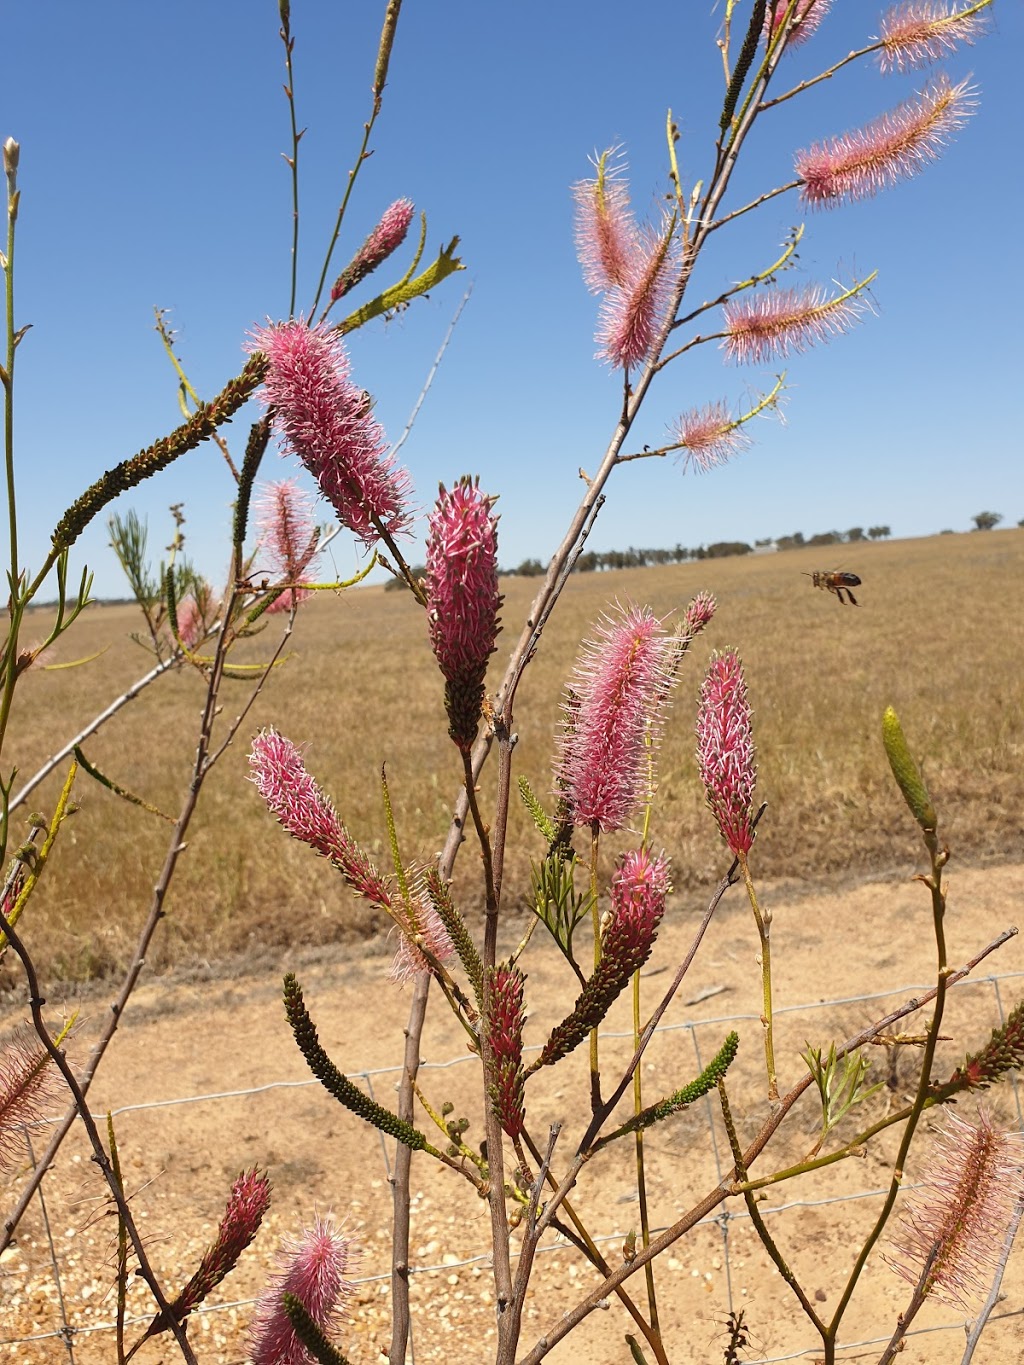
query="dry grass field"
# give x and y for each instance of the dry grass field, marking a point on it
(938, 633)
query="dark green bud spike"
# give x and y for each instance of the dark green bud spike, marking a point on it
(309, 1333)
(743, 63)
(332, 1080)
(682, 1099)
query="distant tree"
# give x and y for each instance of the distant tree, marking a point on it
(761, 544)
(721, 549)
(1020, 523)
(825, 538)
(984, 521)
(879, 532)
(948, 530)
(854, 534)
(530, 568)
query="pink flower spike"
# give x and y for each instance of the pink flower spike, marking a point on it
(505, 1036)
(616, 699)
(776, 322)
(709, 437)
(313, 1270)
(247, 1203)
(606, 236)
(725, 750)
(921, 32)
(807, 19)
(289, 536)
(961, 1212)
(297, 803)
(426, 925)
(632, 313)
(892, 148)
(386, 237)
(639, 889)
(325, 420)
(463, 600)
(699, 614)
(28, 1083)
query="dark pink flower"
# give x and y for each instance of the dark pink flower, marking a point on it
(297, 802)
(639, 888)
(776, 322)
(386, 237)
(922, 32)
(28, 1083)
(631, 313)
(616, 698)
(463, 600)
(806, 19)
(972, 1180)
(313, 1270)
(606, 236)
(892, 148)
(325, 420)
(709, 436)
(725, 750)
(247, 1203)
(289, 537)
(505, 1035)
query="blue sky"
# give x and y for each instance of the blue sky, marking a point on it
(151, 174)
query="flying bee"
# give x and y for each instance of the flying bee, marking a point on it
(837, 583)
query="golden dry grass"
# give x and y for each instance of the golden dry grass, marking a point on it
(939, 634)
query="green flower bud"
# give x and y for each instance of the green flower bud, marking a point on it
(906, 772)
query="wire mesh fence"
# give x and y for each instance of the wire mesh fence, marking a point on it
(70, 1327)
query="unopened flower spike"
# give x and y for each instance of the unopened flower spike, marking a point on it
(505, 1036)
(959, 1214)
(463, 601)
(892, 148)
(614, 706)
(925, 31)
(725, 751)
(325, 420)
(313, 1271)
(906, 772)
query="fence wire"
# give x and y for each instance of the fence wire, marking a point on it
(724, 1218)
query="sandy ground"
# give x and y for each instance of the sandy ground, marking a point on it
(186, 1044)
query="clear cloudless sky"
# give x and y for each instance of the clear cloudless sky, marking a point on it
(151, 174)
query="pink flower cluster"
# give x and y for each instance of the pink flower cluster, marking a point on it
(313, 1270)
(28, 1084)
(288, 538)
(463, 600)
(505, 1037)
(613, 714)
(630, 266)
(725, 750)
(247, 1203)
(325, 420)
(776, 322)
(386, 237)
(807, 17)
(639, 888)
(297, 802)
(923, 32)
(709, 436)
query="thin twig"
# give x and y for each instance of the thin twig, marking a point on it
(431, 374)
(67, 1332)
(994, 1294)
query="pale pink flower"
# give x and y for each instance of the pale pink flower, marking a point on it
(971, 1182)
(191, 626)
(325, 420)
(386, 237)
(28, 1083)
(892, 148)
(298, 803)
(289, 536)
(616, 699)
(426, 925)
(463, 600)
(314, 1271)
(709, 436)
(505, 1036)
(606, 236)
(806, 19)
(632, 313)
(922, 32)
(725, 750)
(775, 322)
